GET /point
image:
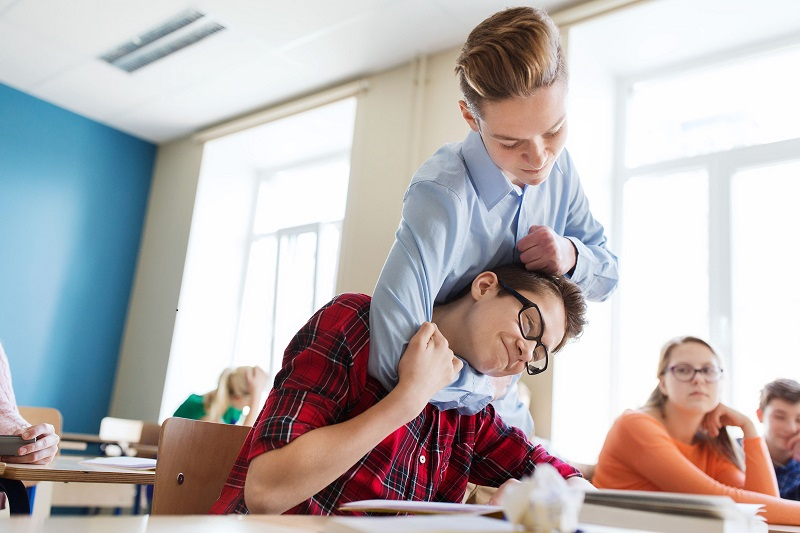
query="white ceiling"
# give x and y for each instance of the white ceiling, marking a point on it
(274, 51)
(270, 52)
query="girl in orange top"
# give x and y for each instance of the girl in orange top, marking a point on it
(678, 442)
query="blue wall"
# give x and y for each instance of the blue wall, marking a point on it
(73, 195)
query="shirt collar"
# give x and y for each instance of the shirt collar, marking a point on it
(490, 182)
(492, 185)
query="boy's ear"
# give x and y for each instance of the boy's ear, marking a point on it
(467, 114)
(483, 284)
(760, 415)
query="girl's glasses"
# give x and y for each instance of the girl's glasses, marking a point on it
(686, 373)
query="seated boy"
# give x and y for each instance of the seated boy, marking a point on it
(330, 434)
(779, 411)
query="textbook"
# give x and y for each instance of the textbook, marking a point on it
(659, 512)
(667, 512)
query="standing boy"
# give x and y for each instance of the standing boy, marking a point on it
(509, 192)
(779, 411)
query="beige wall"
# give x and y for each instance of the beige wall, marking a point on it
(154, 300)
(404, 116)
(379, 171)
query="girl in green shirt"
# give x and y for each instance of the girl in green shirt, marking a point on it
(238, 388)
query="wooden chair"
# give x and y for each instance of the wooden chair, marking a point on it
(43, 415)
(117, 436)
(125, 436)
(133, 437)
(194, 460)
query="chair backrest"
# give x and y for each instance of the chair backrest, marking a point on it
(43, 415)
(194, 460)
(129, 433)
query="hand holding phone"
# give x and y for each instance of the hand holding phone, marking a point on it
(10, 444)
(42, 446)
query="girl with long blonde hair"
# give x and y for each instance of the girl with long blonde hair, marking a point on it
(239, 389)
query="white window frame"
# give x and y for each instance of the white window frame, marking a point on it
(721, 168)
(276, 352)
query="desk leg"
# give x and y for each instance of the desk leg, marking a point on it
(17, 496)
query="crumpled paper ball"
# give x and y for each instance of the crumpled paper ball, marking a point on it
(543, 502)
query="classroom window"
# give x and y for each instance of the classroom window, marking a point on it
(665, 272)
(740, 102)
(765, 298)
(264, 245)
(701, 164)
(708, 251)
(294, 254)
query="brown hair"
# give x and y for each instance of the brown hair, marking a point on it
(514, 52)
(787, 390)
(722, 443)
(518, 278)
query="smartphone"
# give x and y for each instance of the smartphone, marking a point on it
(10, 444)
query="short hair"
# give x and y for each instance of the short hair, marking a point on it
(517, 277)
(784, 389)
(514, 52)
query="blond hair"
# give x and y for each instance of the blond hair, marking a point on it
(232, 384)
(514, 52)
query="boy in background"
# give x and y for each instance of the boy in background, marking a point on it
(779, 411)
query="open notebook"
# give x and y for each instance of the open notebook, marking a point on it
(427, 523)
(661, 512)
(132, 463)
(400, 506)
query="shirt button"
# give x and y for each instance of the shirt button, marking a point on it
(422, 459)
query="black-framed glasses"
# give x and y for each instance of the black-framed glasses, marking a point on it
(686, 373)
(531, 325)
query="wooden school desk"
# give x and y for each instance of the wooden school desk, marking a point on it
(213, 524)
(66, 469)
(167, 524)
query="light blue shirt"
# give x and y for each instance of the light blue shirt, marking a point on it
(462, 216)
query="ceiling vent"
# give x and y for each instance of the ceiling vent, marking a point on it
(166, 39)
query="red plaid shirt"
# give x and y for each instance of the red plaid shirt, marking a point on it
(324, 381)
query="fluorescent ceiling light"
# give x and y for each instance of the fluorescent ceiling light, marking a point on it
(169, 37)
